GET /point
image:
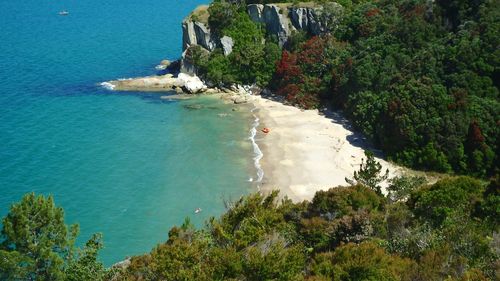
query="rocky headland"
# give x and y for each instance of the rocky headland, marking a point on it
(280, 20)
(304, 150)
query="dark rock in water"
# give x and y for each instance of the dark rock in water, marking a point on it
(166, 67)
(193, 106)
(174, 66)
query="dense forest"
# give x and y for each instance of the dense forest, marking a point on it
(419, 78)
(422, 232)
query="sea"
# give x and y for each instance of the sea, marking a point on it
(129, 165)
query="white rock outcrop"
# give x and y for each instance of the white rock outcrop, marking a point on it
(191, 84)
(227, 45)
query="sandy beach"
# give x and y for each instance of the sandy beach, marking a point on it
(306, 151)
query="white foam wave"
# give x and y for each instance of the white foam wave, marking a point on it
(108, 86)
(257, 152)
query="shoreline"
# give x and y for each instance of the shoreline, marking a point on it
(307, 151)
(258, 154)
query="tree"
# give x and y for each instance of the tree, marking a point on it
(35, 232)
(86, 266)
(446, 199)
(38, 245)
(366, 261)
(369, 173)
(400, 187)
(222, 14)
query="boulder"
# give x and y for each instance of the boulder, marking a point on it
(254, 90)
(191, 84)
(239, 99)
(165, 63)
(122, 264)
(227, 45)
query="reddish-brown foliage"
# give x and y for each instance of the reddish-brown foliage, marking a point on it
(372, 12)
(475, 137)
(290, 91)
(312, 53)
(460, 96)
(287, 70)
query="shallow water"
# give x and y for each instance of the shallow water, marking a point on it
(129, 165)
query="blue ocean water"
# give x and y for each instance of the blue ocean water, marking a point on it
(129, 165)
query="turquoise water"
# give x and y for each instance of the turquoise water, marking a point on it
(129, 165)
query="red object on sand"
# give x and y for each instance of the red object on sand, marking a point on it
(266, 130)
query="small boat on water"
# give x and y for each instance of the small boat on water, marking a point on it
(197, 210)
(63, 13)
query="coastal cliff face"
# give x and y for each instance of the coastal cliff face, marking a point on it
(280, 20)
(308, 19)
(197, 33)
(275, 21)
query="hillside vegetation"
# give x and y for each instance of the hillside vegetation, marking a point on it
(444, 231)
(419, 78)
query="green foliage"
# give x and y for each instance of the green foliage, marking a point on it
(400, 187)
(418, 78)
(369, 173)
(15, 266)
(490, 207)
(37, 245)
(417, 85)
(248, 220)
(444, 231)
(34, 231)
(86, 265)
(341, 215)
(272, 260)
(446, 198)
(252, 59)
(221, 14)
(345, 200)
(366, 261)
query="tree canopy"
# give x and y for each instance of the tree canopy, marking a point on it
(36, 244)
(419, 78)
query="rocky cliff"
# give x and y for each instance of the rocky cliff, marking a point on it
(277, 22)
(197, 33)
(280, 20)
